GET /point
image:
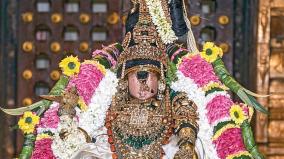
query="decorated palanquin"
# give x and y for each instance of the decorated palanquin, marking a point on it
(147, 98)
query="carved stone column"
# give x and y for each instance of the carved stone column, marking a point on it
(270, 77)
(263, 54)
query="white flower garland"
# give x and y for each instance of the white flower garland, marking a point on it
(159, 19)
(204, 143)
(94, 118)
(64, 149)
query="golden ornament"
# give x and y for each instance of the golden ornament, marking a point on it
(27, 17)
(84, 18)
(223, 20)
(27, 101)
(195, 20)
(55, 47)
(28, 46)
(225, 47)
(27, 74)
(56, 18)
(55, 75)
(113, 18)
(84, 47)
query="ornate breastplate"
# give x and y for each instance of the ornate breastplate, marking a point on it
(138, 129)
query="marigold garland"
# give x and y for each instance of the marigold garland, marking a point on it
(28, 122)
(70, 65)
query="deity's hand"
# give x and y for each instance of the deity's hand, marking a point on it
(185, 151)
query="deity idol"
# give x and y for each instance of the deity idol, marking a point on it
(148, 98)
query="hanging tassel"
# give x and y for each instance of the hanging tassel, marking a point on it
(191, 43)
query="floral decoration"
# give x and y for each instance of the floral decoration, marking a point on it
(82, 104)
(28, 122)
(194, 93)
(43, 136)
(50, 118)
(160, 20)
(219, 133)
(64, 148)
(70, 65)
(214, 86)
(42, 149)
(198, 70)
(229, 142)
(211, 52)
(94, 118)
(240, 155)
(237, 114)
(88, 79)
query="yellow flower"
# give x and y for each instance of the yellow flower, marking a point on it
(82, 105)
(237, 114)
(211, 52)
(42, 136)
(213, 85)
(70, 65)
(28, 122)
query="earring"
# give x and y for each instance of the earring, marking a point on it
(161, 89)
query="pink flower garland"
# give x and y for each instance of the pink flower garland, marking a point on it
(87, 81)
(230, 142)
(218, 108)
(43, 149)
(202, 73)
(50, 118)
(198, 70)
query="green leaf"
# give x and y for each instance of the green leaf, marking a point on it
(249, 140)
(171, 73)
(251, 101)
(21, 110)
(257, 105)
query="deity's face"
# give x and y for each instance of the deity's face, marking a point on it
(143, 85)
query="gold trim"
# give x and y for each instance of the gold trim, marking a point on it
(149, 68)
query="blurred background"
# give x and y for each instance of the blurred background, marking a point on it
(36, 34)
